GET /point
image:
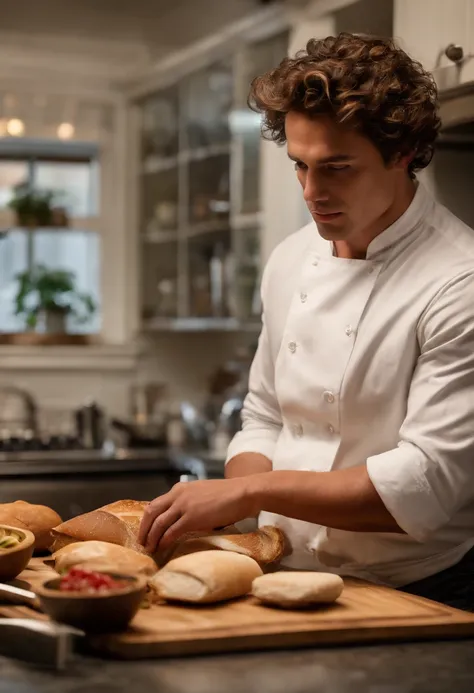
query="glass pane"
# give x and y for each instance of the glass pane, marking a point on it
(210, 265)
(160, 135)
(246, 125)
(160, 202)
(209, 190)
(11, 174)
(13, 260)
(160, 280)
(77, 182)
(77, 252)
(209, 100)
(251, 169)
(263, 56)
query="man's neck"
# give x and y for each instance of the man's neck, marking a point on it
(357, 248)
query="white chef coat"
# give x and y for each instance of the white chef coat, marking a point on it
(372, 361)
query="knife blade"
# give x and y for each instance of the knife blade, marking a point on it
(17, 595)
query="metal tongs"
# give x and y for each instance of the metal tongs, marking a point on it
(38, 642)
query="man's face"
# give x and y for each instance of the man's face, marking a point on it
(346, 184)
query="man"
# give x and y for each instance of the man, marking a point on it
(358, 429)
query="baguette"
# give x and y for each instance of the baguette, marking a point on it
(265, 545)
(297, 589)
(102, 556)
(206, 577)
(116, 523)
(39, 519)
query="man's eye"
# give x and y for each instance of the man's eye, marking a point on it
(300, 166)
(338, 167)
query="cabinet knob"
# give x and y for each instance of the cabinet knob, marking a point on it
(454, 52)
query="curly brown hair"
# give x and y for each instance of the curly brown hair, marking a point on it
(365, 82)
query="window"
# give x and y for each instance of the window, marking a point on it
(73, 174)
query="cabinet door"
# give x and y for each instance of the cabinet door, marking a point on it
(426, 27)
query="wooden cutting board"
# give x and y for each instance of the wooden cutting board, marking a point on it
(364, 613)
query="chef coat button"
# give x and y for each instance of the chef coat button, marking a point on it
(298, 429)
(292, 347)
(329, 397)
(315, 262)
(348, 330)
(303, 297)
(331, 429)
(371, 269)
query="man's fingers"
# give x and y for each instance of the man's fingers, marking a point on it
(160, 526)
(174, 532)
(152, 511)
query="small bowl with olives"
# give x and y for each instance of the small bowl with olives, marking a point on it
(16, 550)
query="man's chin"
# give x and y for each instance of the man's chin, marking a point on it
(330, 232)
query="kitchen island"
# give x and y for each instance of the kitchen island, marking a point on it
(429, 667)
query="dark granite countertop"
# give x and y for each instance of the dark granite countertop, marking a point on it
(96, 461)
(407, 668)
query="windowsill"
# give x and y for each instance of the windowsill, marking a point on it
(94, 357)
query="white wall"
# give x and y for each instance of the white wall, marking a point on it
(450, 179)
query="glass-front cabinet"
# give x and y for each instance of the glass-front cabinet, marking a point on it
(199, 195)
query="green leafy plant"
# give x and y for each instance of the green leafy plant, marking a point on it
(33, 207)
(43, 290)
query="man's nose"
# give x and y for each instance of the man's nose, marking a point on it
(314, 188)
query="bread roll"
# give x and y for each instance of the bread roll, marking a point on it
(99, 555)
(39, 519)
(265, 545)
(117, 523)
(297, 590)
(205, 577)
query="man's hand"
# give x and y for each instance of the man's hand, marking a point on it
(195, 506)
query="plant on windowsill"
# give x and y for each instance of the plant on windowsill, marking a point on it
(45, 298)
(37, 208)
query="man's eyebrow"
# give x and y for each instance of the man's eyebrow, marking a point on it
(326, 160)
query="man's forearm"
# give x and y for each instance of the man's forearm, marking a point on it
(247, 463)
(343, 499)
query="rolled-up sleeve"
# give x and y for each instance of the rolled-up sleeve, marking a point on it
(430, 475)
(261, 417)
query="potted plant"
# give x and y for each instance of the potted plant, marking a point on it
(36, 208)
(46, 297)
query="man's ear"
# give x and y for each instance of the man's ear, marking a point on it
(402, 162)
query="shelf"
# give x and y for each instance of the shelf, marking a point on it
(91, 224)
(208, 152)
(160, 237)
(246, 221)
(201, 325)
(157, 164)
(205, 227)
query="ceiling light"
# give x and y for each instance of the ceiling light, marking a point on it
(15, 127)
(66, 131)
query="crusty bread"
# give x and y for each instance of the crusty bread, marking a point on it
(39, 519)
(100, 555)
(297, 589)
(117, 523)
(205, 577)
(265, 545)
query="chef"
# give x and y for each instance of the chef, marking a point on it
(358, 428)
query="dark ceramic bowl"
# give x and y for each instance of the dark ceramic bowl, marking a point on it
(94, 613)
(14, 561)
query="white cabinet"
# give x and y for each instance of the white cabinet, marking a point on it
(425, 28)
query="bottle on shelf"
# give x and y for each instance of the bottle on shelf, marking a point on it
(217, 275)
